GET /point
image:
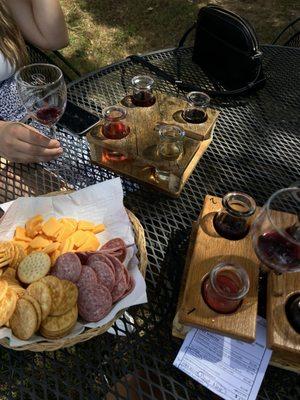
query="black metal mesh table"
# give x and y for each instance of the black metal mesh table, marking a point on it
(255, 149)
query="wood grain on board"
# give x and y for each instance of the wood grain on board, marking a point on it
(140, 145)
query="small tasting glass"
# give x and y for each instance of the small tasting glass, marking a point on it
(142, 91)
(233, 220)
(195, 111)
(115, 128)
(225, 287)
(169, 149)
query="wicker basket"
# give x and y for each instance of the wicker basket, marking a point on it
(89, 333)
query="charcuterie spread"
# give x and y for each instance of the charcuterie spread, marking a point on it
(54, 272)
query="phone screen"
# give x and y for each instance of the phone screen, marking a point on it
(76, 119)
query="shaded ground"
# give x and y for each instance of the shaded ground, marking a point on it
(103, 31)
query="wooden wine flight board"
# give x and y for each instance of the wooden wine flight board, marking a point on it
(280, 336)
(209, 250)
(140, 145)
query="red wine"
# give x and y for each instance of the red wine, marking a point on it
(227, 285)
(292, 309)
(143, 99)
(230, 227)
(275, 249)
(48, 115)
(194, 116)
(115, 131)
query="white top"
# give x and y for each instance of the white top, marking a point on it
(6, 69)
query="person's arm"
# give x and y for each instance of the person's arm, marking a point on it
(41, 22)
(24, 144)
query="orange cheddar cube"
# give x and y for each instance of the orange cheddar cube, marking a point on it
(22, 243)
(67, 245)
(39, 242)
(85, 225)
(71, 221)
(79, 238)
(51, 227)
(20, 234)
(33, 226)
(99, 228)
(51, 247)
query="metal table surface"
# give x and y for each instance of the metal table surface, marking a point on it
(255, 149)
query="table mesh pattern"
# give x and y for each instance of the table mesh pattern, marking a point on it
(255, 149)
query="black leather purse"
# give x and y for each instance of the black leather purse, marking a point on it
(226, 48)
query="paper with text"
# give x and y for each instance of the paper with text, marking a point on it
(231, 368)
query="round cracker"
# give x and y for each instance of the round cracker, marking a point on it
(36, 306)
(70, 296)
(34, 267)
(56, 327)
(57, 292)
(23, 322)
(18, 257)
(9, 273)
(7, 306)
(3, 289)
(41, 292)
(15, 286)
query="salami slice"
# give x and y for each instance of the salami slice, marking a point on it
(120, 288)
(114, 244)
(104, 274)
(127, 275)
(130, 288)
(67, 266)
(94, 302)
(83, 256)
(87, 277)
(118, 266)
(115, 247)
(96, 256)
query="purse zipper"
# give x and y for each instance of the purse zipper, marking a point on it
(245, 25)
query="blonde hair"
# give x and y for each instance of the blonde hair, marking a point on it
(12, 44)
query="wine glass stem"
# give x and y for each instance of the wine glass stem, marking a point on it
(52, 132)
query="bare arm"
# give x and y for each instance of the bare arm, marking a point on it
(41, 22)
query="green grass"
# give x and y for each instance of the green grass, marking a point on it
(103, 31)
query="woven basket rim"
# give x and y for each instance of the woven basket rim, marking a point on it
(89, 333)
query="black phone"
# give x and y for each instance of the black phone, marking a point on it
(77, 120)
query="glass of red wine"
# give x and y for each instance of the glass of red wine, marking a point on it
(195, 111)
(225, 287)
(43, 92)
(276, 233)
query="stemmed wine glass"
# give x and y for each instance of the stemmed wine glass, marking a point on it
(43, 92)
(276, 236)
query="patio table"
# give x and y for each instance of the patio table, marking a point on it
(256, 149)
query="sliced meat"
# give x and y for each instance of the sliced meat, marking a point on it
(101, 257)
(130, 288)
(118, 266)
(94, 302)
(104, 274)
(115, 247)
(67, 266)
(120, 288)
(87, 277)
(127, 275)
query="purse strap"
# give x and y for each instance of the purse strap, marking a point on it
(189, 87)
